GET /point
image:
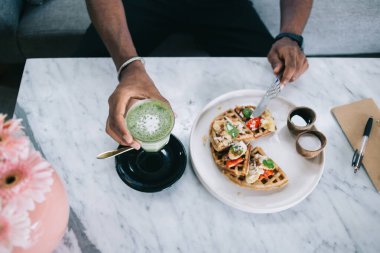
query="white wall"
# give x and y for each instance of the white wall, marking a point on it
(334, 27)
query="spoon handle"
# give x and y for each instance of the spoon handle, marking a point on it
(113, 153)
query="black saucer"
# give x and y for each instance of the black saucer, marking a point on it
(152, 171)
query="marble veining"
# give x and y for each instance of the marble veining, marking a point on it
(64, 104)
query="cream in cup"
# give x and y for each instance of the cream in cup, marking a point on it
(150, 122)
(310, 144)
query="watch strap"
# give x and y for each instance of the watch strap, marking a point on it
(295, 37)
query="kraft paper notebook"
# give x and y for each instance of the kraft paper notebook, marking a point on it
(352, 119)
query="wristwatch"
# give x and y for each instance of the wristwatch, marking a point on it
(296, 37)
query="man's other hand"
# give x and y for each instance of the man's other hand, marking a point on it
(135, 84)
(285, 55)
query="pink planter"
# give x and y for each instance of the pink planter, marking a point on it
(49, 220)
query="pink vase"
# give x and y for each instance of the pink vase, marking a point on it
(49, 220)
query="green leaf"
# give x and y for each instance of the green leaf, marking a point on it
(236, 150)
(247, 113)
(232, 130)
(268, 163)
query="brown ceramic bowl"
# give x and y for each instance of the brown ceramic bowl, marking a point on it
(311, 153)
(307, 114)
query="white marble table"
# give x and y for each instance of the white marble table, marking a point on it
(64, 106)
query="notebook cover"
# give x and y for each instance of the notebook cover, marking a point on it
(352, 119)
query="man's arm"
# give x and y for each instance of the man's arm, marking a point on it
(285, 54)
(294, 15)
(109, 19)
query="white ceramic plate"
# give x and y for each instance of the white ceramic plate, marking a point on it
(303, 174)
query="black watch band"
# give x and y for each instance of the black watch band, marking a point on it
(297, 38)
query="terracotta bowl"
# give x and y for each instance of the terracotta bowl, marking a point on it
(307, 114)
(311, 153)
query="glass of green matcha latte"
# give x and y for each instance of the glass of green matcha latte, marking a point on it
(150, 122)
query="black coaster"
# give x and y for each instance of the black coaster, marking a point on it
(152, 171)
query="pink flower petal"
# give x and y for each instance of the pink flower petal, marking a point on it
(17, 228)
(34, 177)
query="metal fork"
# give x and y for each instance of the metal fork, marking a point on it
(273, 91)
(275, 88)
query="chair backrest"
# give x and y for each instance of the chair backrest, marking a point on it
(34, 2)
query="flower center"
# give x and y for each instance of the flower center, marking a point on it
(10, 179)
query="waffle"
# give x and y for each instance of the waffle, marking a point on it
(278, 180)
(237, 172)
(221, 140)
(261, 130)
(219, 137)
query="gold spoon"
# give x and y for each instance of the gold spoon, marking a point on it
(113, 153)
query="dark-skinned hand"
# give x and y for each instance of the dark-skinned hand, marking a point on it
(285, 55)
(135, 85)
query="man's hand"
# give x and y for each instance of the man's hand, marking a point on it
(285, 55)
(135, 84)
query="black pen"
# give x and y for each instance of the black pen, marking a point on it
(358, 155)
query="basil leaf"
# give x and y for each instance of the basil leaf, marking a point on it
(247, 113)
(236, 150)
(232, 130)
(268, 163)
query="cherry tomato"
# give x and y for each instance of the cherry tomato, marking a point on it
(266, 174)
(253, 123)
(232, 163)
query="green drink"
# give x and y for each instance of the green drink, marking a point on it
(150, 122)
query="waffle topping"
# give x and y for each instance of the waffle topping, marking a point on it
(254, 123)
(231, 128)
(254, 173)
(237, 149)
(233, 163)
(259, 125)
(246, 113)
(268, 124)
(264, 161)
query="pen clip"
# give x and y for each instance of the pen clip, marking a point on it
(355, 158)
(368, 126)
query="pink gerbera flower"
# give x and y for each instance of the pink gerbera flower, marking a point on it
(14, 229)
(25, 181)
(13, 143)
